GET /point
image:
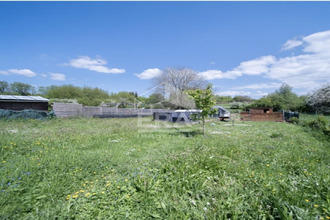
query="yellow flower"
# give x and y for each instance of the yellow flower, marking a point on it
(4, 161)
(328, 217)
(118, 187)
(74, 196)
(316, 206)
(127, 197)
(267, 165)
(306, 200)
(87, 194)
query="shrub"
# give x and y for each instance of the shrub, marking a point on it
(294, 120)
(236, 105)
(320, 123)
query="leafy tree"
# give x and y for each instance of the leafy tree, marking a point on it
(320, 99)
(282, 99)
(236, 105)
(289, 99)
(64, 92)
(21, 88)
(241, 98)
(92, 96)
(4, 86)
(155, 98)
(86, 96)
(204, 101)
(221, 99)
(125, 99)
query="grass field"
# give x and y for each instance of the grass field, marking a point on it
(84, 168)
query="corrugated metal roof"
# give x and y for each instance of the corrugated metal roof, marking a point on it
(22, 98)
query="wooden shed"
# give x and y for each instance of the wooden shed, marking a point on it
(262, 114)
(18, 103)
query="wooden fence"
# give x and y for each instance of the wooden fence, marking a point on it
(65, 110)
(277, 117)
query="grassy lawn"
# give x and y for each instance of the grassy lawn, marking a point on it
(85, 168)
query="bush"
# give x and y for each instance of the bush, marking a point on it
(294, 120)
(320, 123)
(236, 105)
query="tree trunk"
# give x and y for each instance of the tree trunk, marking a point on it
(204, 127)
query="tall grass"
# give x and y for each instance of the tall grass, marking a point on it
(127, 168)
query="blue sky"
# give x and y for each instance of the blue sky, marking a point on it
(242, 48)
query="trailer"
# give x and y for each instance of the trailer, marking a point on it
(222, 113)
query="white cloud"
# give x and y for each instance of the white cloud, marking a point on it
(23, 72)
(308, 70)
(260, 94)
(43, 75)
(149, 73)
(98, 65)
(234, 93)
(318, 43)
(256, 66)
(252, 67)
(57, 76)
(212, 74)
(260, 86)
(291, 44)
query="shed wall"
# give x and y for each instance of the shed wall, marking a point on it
(18, 106)
(277, 117)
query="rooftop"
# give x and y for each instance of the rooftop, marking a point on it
(18, 98)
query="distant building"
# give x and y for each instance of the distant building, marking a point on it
(262, 114)
(18, 103)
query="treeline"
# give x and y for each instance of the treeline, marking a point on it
(229, 99)
(84, 95)
(282, 99)
(16, 88)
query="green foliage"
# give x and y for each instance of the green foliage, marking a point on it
(294, 120)
(320, 123)
(3, 87)
(155, 98)
(86, 96)
(204, 101)
(21, 88)
(64, 92)
(282, 99)
(223, 99)
(240, 98)
(236, 105)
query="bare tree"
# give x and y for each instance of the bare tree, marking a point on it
(173, 82)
